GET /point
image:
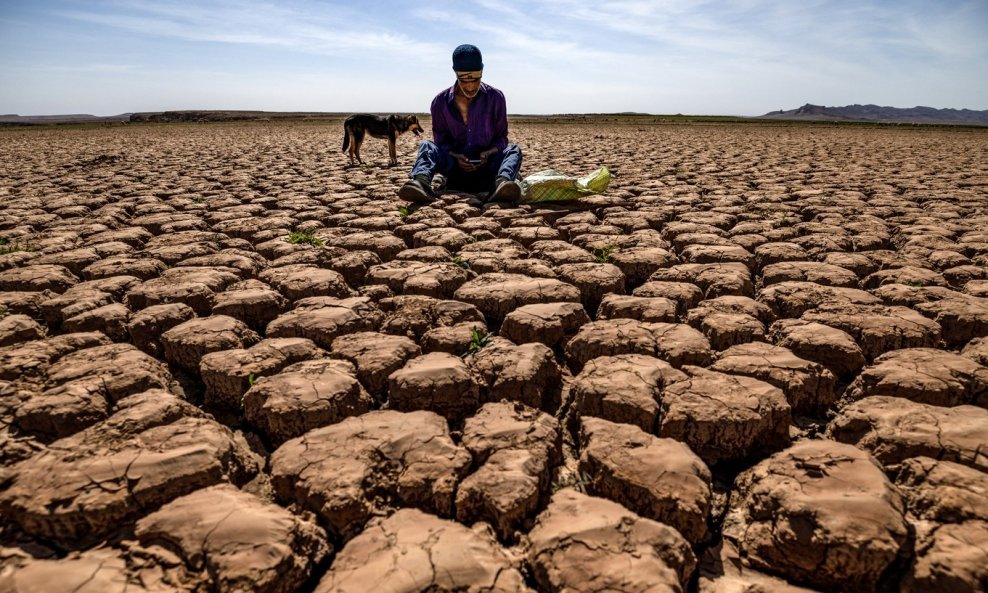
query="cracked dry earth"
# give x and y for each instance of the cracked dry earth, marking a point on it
(757, 363)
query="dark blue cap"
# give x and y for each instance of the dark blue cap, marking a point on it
(467, 58)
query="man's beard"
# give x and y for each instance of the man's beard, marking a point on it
(464, 92)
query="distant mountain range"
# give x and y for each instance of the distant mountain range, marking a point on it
(72, 118)
(875, 113)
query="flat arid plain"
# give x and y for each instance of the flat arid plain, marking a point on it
(756, 363)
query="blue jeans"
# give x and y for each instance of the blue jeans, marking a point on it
(431, 160)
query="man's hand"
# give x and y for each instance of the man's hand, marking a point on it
(464, 163)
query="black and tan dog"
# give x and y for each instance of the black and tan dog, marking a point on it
(390, 127)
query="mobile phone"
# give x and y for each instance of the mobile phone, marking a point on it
(474, 161)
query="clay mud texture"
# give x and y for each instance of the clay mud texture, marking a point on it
(229, 362)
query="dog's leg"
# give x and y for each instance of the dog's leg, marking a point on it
(358, 139)
(392, 151)
(351, 142)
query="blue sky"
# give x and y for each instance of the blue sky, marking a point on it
(745, 57)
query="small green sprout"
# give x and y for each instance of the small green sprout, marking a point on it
(603, 256)
(478, 341)
(299, 237)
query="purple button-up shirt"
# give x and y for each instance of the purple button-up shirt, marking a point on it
(487, 122)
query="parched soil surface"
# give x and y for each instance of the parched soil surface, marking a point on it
(757, 363)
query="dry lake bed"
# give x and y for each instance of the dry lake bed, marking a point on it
(756, 363)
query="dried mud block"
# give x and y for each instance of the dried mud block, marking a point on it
(639, 263)
(236, 541)
(278, 247)
(950, 558)
(677, 343)
(376, 356)
(25, 302)
(809, 387)
(87, 486)
(717, 254)
(527, 235)
(323, 319)
(143, 268)
(831, 347)
(625, 388)
(245, 265)
(684, 294)
(354, 265)
(716, 279)
(195, 287)
(228, 374)
(961, 276)
(976, 288)
(657, 478)
(414, 316)
(172, 254)
(725, 417)
(447, 237)
(117, 370)
(728, 329)
(549, 323)
(963, 317)
(100, 570)
(557, 253)
(364, 465)
(516, 447)
(72, 302)
(771, 253)
(721, 570)
(792, 299)
(496, 295)
(32, 359)
(431, 254)
(146, 326)
(878, 328)
(593, 280)
(924, 375)
(437, 382)
(501, 248)
(650, 309)
(302, 281)
(304, 396)
(525, 373)
(943, 491)
(894, 429)
(185, 344)
(586, 544)
(858, 263)
(256, 307)
(75, 260)
(908, 275)
(38, 278)
(438, 280)
(804, 271)
(382, 243)
(821, 513)
(977, 350)
(452, 339)
(739, 305)
(112, 320)
(16, 329)
(415, 551)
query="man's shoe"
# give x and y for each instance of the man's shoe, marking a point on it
(417, 191)
(505, 190)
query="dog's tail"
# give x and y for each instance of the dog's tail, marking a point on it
(346, 138)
